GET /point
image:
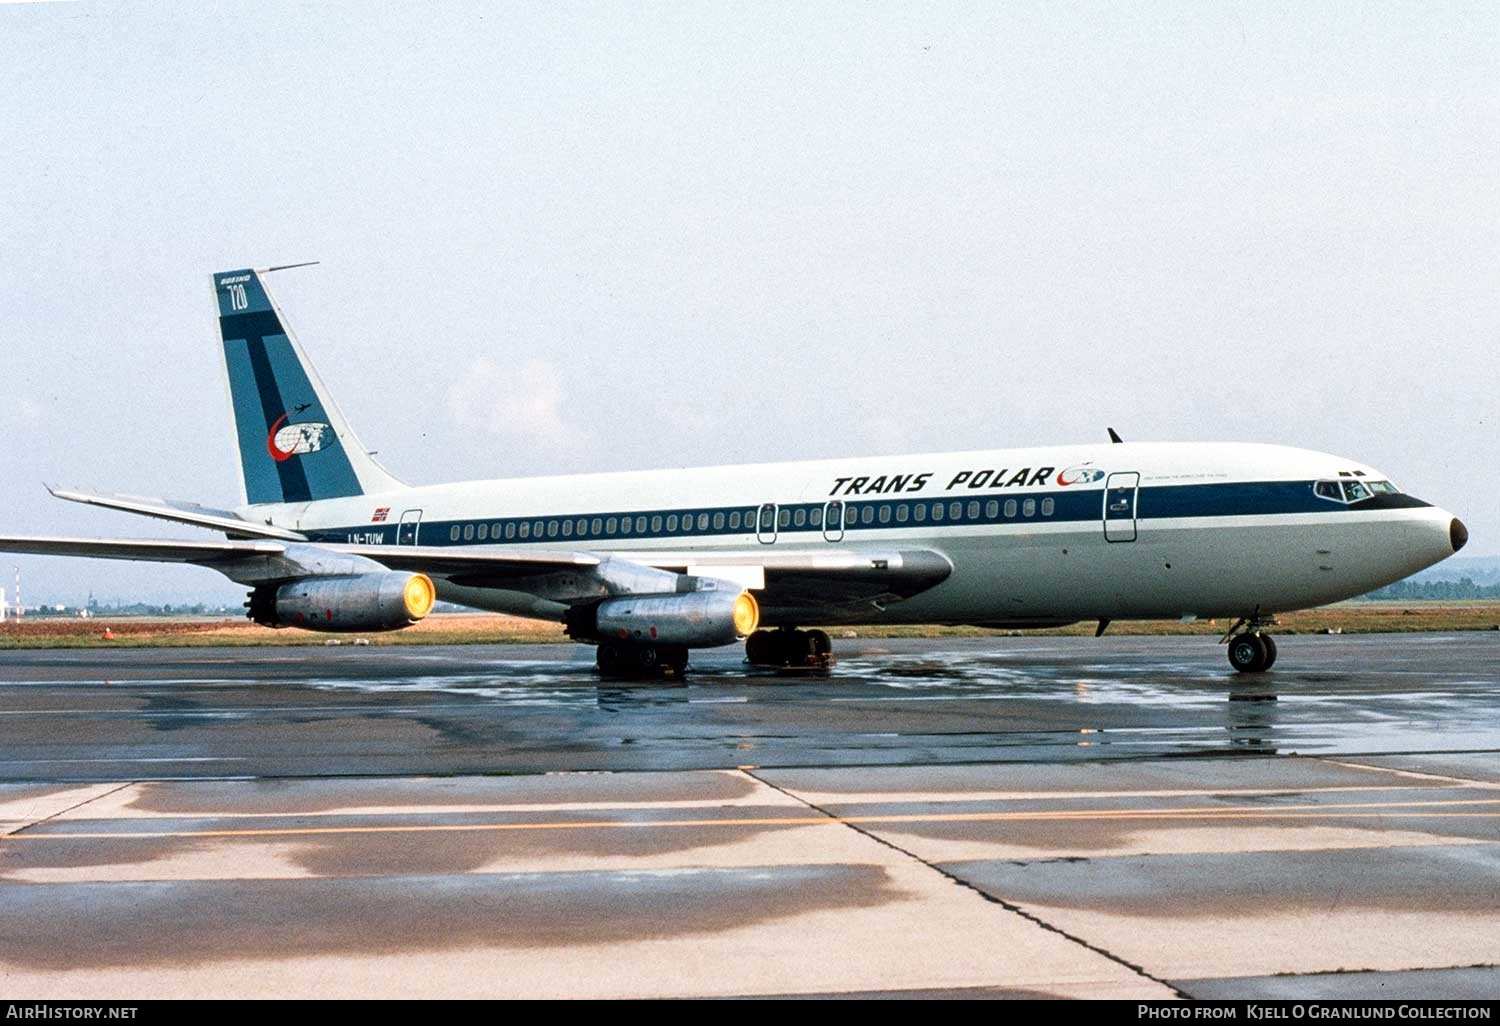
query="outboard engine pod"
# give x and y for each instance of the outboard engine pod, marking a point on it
(362, 602)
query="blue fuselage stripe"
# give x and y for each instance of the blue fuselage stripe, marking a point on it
(1260, 498)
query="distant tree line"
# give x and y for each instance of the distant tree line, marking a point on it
(1417, 591)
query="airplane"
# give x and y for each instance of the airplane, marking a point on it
(648, 566)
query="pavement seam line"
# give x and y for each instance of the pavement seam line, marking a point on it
(1414, 774)
(965, 884)
(70, 808)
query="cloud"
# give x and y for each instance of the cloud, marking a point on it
(523, 406)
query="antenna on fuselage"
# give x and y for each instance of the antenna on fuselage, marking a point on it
(1114, 437)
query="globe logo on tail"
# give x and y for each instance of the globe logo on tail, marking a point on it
(287, 440)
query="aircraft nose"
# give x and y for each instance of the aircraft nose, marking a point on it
(1458, 534)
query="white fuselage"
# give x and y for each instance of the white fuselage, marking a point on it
(1135, 530)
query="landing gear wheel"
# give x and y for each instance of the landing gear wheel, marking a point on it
(759, 649)
(611, 659)
(674, 660)
(647, 659)
(618, 659)
(1270, 644)
(1249, 653)
(789, 649)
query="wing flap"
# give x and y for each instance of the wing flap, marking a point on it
(444, 562)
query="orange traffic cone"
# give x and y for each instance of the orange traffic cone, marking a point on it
(109, 635)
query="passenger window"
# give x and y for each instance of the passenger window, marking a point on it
(1010, 507)
(1047, 507)
(526, 529)
(1328, 490)
(750, 519)
(974, 509)
(955, 511)
(734, 520)
(937, 511)
(903, 511)
(567, 528)
(552, 529)
(672, 522)
(609, 526)
(510, 530)
(640, 525)
(718, 521)
(885, 513)
(867, 515)
(815, 518)
(784, 518)
(1028, 508)
(1355, 490)
(919, 512)
(799, 518)
(597, 527)
(453, 533)
(703, 521)
(468, 532)
(992, 509)
(687, 523)
(656, 524)
(484, 531)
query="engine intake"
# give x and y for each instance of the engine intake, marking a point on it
(696, 619)
(362, 602)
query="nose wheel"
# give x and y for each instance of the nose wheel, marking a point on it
(1252, 652)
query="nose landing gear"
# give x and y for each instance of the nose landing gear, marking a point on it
(1251, 650)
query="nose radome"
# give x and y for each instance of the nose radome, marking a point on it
(1458, 534)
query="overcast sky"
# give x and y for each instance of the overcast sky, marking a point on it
(610, 236)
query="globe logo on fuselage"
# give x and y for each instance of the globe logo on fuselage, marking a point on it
(1079, 475)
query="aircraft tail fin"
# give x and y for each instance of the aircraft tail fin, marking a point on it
(295, 445)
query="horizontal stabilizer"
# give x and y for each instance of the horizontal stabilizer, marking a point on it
(180, 512)
(148, 550)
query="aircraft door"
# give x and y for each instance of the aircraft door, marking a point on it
(411, 521)
(833, 521)
(1120, 494)
(765, 524)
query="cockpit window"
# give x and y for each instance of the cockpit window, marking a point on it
(1348, 490)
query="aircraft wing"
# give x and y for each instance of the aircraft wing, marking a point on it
(811, 580)
(787, 580)
(438, 561)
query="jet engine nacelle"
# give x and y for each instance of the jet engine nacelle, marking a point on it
(694, 619)
(360, 602)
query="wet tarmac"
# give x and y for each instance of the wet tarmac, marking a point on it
(1014, 817)
(134, 713)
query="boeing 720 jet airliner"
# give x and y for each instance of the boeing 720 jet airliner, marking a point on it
(650, 565)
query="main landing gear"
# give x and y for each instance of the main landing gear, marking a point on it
(785, 649)
(1251, 650)
(617, 659)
